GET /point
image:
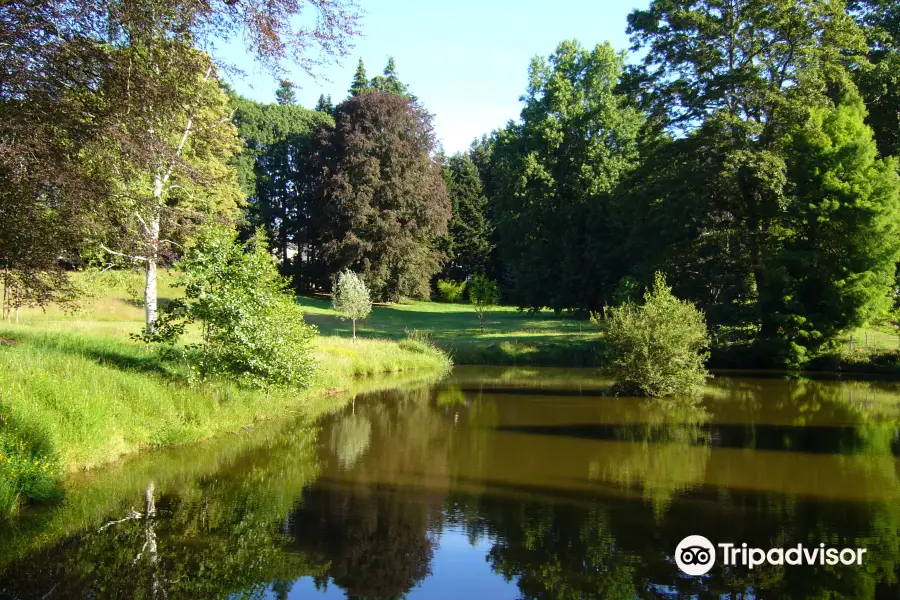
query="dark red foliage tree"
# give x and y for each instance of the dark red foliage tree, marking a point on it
(382, 201)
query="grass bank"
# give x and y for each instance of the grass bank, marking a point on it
(76, 392)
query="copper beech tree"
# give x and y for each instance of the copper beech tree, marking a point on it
(382, 200)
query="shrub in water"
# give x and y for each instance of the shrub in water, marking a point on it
(251, 328)
(351, 298)
(450, 291)
(658, 349)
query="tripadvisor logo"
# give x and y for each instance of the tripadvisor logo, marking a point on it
(696, 555)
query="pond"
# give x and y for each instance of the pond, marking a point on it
(493, 483)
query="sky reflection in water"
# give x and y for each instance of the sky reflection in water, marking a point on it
(497, 483)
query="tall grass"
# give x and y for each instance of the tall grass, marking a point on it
(93, 397)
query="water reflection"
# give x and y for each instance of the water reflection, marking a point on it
(490, 485)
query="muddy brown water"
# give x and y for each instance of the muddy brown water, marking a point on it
(494, 483)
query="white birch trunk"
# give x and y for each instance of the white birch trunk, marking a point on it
(150, 307)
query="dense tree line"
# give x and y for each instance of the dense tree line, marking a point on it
(747, 156)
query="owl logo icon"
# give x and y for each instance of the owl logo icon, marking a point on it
(695, 555)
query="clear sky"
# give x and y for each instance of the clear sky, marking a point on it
(466, 61)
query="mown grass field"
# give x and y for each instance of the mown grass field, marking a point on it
(511, 337)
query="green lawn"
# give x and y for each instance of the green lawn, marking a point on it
(511, 337)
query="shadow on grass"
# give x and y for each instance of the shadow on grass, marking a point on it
(139, 302)
(113, 353)
(512, 338)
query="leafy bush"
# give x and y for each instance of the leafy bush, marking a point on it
(658, 349)
(251, 328)
(484, 293)
(29, 468)
(351, 298)
(450, 291)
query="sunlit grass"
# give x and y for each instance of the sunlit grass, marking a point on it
(82, 382)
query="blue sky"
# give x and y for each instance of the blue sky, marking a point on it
(466, 61)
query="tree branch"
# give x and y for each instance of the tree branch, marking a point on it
(129, 517)
(133, 257)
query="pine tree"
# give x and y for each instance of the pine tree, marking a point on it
(469, 245)
(324, 104)
(388, 82)
(360, 81)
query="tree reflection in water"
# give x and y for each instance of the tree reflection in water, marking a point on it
(574, 496)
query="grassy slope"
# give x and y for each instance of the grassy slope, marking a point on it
(91, 394)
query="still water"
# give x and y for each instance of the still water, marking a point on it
(493, 483)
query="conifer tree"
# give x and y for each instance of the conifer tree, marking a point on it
(360, 81)
(324, 104)
(383, 202)
(285, 93)
(389, 82)
(468, 243)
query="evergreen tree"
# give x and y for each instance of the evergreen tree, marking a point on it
(382, 200)
(284, 95)
(467, 244)
(324, 104)
(388, 82)
(842, 228)
(731, 79)
(360, 81)
(275, 174)
(556, 176)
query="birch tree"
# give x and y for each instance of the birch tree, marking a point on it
(170, 158)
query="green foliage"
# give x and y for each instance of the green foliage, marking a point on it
(360, 81)
(389, 82)
(420, 342)
(556, 176)
(880, 85)
(450, 291)
(657, 349)
(29, 466)
(324, 104)
(276, 175)
(383, 202)
(284, 95)
(351, 297)
(842, 231)
(251, 327)
(484, 294)
(468, 242)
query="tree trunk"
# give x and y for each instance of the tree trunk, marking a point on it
(153, 255)
(354, 329)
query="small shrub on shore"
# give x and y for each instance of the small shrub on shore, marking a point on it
(251, 327)
(658, 348)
